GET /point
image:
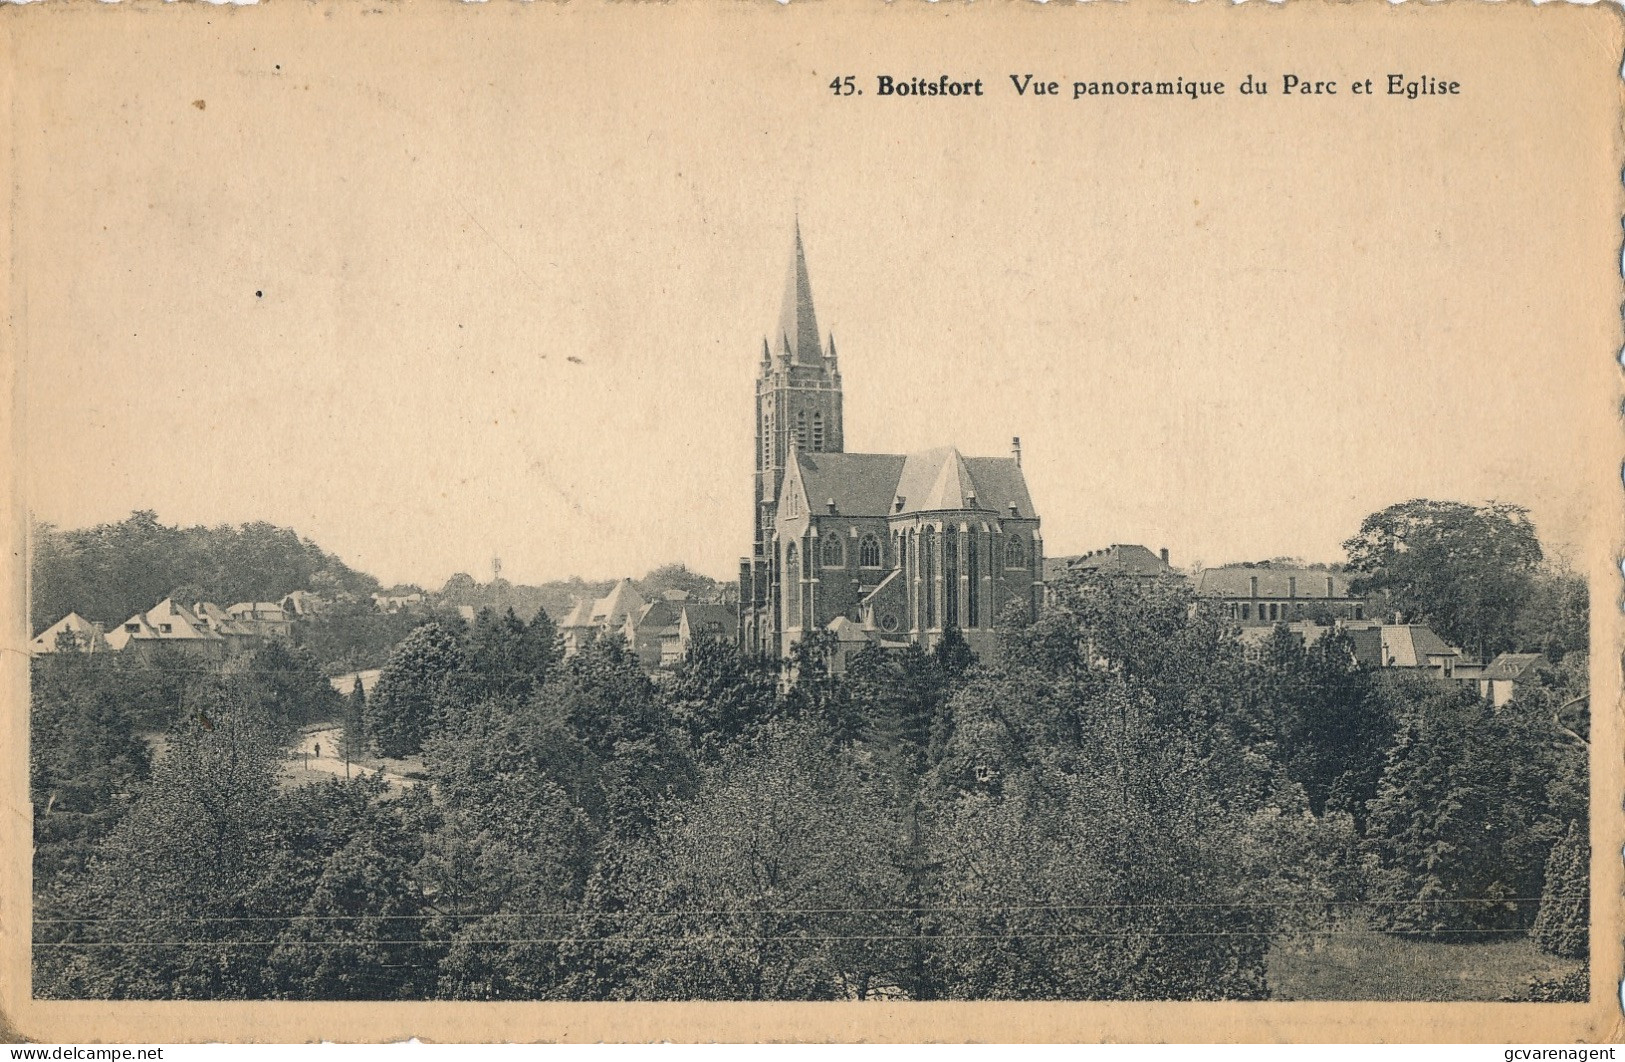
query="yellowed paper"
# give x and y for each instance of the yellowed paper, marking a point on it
(432, 283)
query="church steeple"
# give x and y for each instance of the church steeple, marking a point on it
(798, 325)
(798, 411)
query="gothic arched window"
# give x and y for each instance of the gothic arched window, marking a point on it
(869, 551)
(1015, 555)
(792, 585)
(973, 585)
(833, 552)
(818, 432)
(801, 428)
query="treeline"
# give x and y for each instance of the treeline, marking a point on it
(1120, 803)
(109, 572)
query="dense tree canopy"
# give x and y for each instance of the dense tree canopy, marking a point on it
(1121, 800)
(109, 572)
(1466, 570)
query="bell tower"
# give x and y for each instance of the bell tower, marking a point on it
(798, 395)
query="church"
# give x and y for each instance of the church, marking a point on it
(879, 548)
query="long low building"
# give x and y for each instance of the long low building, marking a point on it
(1261, 596)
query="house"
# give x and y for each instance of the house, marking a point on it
(239, 637)
(302, 603)
(1265, 595)
(697, 621)
(1120, 559)
(1406, 646)
(71, 632)
(264, 618)
(1507, 674)
(171, 624)
(1115, 560)
(589, 619)
(392, 603)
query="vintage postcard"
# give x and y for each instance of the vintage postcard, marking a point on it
(812, 521)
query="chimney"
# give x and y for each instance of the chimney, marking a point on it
(1015, 449)
(831, 504)
(1164, 555)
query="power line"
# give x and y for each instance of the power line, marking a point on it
(742, 912)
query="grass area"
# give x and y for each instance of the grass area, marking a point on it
(1362, 964)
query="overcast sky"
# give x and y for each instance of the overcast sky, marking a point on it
(507, 297)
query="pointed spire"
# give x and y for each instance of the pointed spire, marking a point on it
(829, 351)
(797, 322)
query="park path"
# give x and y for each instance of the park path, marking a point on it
(319, 751)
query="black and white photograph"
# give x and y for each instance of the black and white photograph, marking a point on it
(973, 503)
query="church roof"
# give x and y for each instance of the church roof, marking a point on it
(859, 484)
(798, 326)
(929, 481)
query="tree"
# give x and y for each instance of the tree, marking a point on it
(110, 571)
(676, 577)
(1556, 617)
(355, 722)
(1465, 570)
(1331, 723)
(719, 694)
(954, 654)
(779, 879)
(292, 683)
(173, 905)
(816, 692)
(1563, 926)
(1468, 808)
(406, 705)
(358, 930)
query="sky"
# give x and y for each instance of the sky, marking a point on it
(436, 298)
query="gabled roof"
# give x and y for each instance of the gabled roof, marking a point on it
(859, 484)
(849, 632)
(1120, 558)
(612, 609)
(219, 620)
(88, 634)
(257, 610)
(1309, 633)
(183, 625)
(1305, 583)
(1512, 665)
(703, 619)
(1399, 645)
(940, 479)
(660, 613)
(579, 616)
